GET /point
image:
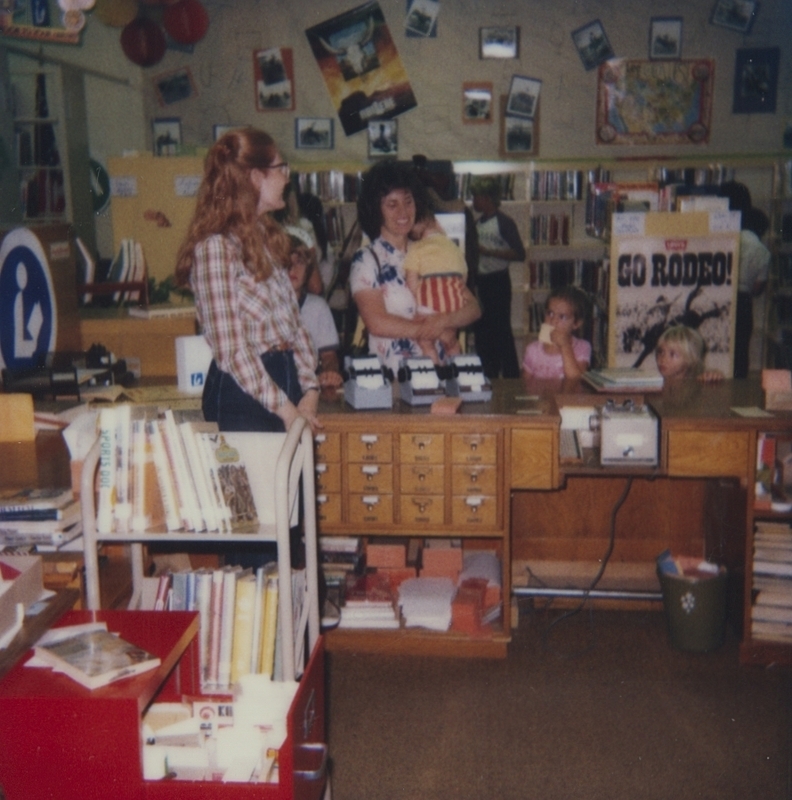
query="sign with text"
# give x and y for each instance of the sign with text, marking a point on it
(681, 270)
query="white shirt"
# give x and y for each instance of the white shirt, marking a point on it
(317, 319)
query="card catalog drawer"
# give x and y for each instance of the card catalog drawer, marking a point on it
(422, 509)
(328, 477)
(474, 479)
(475, 510)
(422, 478)
(328, 508)
(327, 447)
(474, 448)
(370, 447)
(422, 448)
(370, 478)
(367, 509)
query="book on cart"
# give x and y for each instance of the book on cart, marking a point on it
(35, 503)
(93, 656)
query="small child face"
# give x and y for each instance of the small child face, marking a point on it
(671, 361)
(561, 315)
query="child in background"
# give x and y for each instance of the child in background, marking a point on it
(680, 354)
(558, 353)
(436, 273)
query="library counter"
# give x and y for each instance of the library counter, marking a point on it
(493, 476)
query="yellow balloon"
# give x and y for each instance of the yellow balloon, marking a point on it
(116, 13)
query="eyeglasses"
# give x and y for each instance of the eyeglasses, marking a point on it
(283, 166)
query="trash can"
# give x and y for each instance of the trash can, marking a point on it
(695, 609)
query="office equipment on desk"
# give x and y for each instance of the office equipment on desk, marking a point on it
(569, 449)
(419, 382)
(628, 434)
(366, 383)
(465, 379)
(193, 357)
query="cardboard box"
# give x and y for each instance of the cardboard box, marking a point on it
(386, 555)
(23, 584)
(193, 357)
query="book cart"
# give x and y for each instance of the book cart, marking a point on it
(62, 740)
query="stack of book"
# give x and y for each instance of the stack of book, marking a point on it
(239, 632)
(369, 602)
(156, 471)
(771, 613)
(47, 518)
(339, 556)
(623, 380)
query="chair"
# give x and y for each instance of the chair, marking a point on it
(16, 418)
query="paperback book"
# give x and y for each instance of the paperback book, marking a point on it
(96, 658)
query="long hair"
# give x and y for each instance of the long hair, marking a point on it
(382, 179)
(691, 345)
(227, 205)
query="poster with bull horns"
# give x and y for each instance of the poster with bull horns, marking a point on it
(673, 269)
(361, 67)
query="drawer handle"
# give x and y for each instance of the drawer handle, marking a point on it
(422, 503)
(421, 442)
(474, 502)
(369, 439)
(321, 499)
(320, 438)
(313, 774)
(422, 473)
(370, 471)
(370, 501)
(474, 477)
(320, 468)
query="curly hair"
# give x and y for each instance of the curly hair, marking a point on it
(382, 179)
(227, 205)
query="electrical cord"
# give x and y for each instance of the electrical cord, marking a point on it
(603, 564)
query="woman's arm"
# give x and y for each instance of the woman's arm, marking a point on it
(432, 326)
(380, 322)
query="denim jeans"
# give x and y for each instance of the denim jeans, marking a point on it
(233, 409)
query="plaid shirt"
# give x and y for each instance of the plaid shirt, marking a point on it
(243, 318)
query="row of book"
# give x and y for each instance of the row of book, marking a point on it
(156, 471)
(46, 518)
(332, 185)
(771, 612)
(239, 630)
(591, 275)
(556, 184)
(506, 182)
(550, 229)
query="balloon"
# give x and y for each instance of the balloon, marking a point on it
(186, 21)
(143, 42)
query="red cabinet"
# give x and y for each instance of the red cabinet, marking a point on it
(62, 741)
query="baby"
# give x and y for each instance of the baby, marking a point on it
(680, 354)
(558, 353)
(436, 273)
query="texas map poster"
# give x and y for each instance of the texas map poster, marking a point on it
(655, 102)
(361, 67)
(672, 269)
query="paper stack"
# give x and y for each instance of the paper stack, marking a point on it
(426, 602)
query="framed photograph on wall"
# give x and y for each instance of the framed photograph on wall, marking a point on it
(477, 101)
(523, 96)
(167, 137)
(665, 38)
(220, 130)
(592, 44)
(499, 42)
(171, 87)
(313, 133)
(519, 138)
(739, 15)
(383, 138)
(273, 78)
(755, 80)
(422, 17)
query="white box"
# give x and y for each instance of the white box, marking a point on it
(25, 585)
(193, 357)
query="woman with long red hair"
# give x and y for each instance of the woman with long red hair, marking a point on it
(235, 259)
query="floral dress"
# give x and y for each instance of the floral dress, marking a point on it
(381, 266)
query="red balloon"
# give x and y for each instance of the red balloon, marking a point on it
(186, 21)
(143, 42)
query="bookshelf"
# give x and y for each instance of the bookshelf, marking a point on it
(293, 479)
(778, 323)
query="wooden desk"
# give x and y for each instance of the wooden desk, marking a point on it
(698, 500)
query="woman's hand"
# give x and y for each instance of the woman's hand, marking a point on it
(307, 407)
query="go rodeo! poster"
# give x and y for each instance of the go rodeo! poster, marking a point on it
(673, 269)
(361, 67)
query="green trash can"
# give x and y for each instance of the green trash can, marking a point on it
(695, 609)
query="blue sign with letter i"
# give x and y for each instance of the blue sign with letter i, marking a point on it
(28, 312)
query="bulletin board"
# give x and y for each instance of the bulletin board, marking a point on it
(152, 201)
(671, 268)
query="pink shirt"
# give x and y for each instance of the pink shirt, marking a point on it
(539, 364)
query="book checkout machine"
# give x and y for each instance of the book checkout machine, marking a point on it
(368, 384)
